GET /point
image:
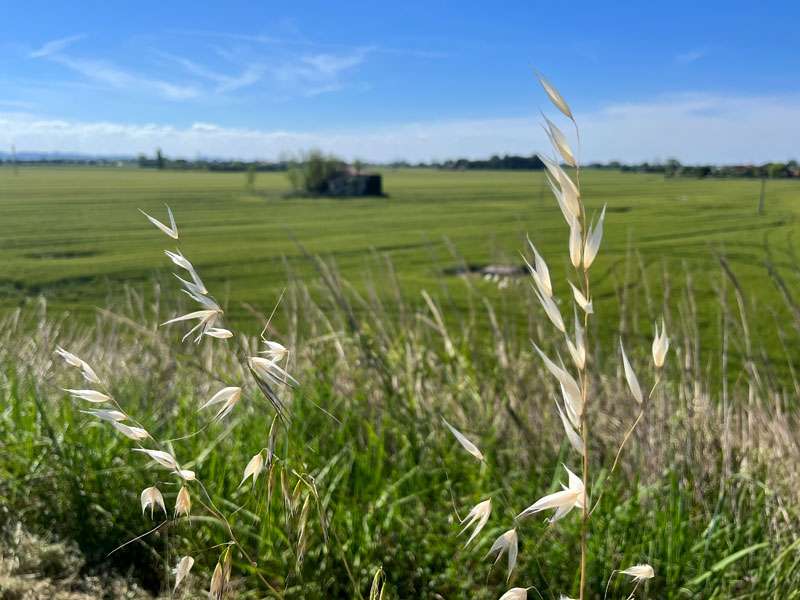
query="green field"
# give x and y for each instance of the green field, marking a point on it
(75, 235)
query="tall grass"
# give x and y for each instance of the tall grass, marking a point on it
(708, 476)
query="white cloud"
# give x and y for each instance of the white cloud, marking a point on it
(55, 46)
(695, 128)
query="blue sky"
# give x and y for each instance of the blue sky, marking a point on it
(702, 81)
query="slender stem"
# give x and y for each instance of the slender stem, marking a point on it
(625, 439)
(585, 436)
(253, 564)
(584, 401)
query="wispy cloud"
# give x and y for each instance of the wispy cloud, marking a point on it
(251, 74)
(317, 73)
(691, 56)
(297, 39)
(107, 73)
(695, 128)
(55, 46)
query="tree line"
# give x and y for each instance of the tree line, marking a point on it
(510, 162)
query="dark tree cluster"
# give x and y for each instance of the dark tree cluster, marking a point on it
(673, 168)
(159, 161)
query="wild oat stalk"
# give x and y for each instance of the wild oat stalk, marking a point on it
(269, 374)
(575, 410)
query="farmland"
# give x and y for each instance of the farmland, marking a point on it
(75, 235)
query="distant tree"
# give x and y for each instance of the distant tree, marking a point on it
(775, 170)
(159, 159)
(358, 166)
(672, 167)
(313, 172)
(250, 178)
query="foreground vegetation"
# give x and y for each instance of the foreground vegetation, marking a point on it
(714, 506)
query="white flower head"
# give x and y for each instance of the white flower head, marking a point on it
(274, 350)
(660, 345)
(182, 570)
(516, 593)
(507, 543)
(171, 231)
(464, 441)
(478, 516)
(181, 261)
(581, 300)
(551, 310)
(593, 241)
(640, 572)
(571, 429)
(151, 497)
(571, 496)
(74, 361)
(630, 376)
(218, 332)
(566, 192)
(575, 242)
(107, 415)
(560, 143)
(554, 96)
(89, 395)
(130, 432)
(253, 469)
(205, 318)
(539, 271)
(183, 503)
(229, 397)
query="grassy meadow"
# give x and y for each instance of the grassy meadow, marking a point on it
(367, 479)
(75, 235)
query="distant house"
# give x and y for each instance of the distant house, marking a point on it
(321, 175)
(350, 183)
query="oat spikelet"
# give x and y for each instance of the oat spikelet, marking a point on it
(464, 441)
(630, 377)
(182, 570)
(640, 572)
(555, 96)
(89, 395)
(478, 516)
(130, 432)
(660, 345)
(506, 543)
(253, 469)
(171, 231)
(183, 503)
(571, 496)
(151, 497)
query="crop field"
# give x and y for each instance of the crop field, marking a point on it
(75, 235)
(364, 484)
